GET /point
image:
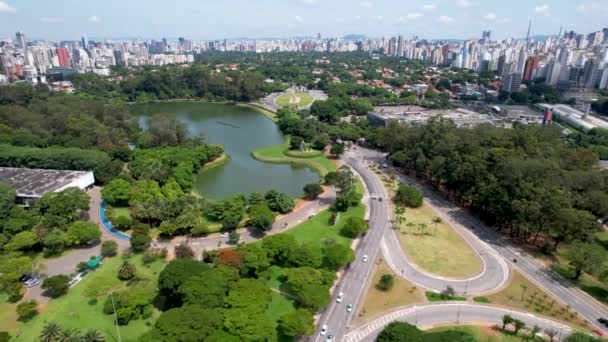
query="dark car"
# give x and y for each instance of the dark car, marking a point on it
(603, 321)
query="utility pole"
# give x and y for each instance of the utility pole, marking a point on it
(115, 318)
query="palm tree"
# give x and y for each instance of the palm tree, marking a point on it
(551, 333)
(422, 228)
(93, 335)
(51, 332)
(436, 220)
(69, 335)
(523, 291)
(518, 325)
(506, 320)
(126, 271)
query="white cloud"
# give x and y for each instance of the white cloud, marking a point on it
(503, 20)
(50, 19)
(429, 7)
(94, 19)
(357, 17)
(6, 8)
(299, 19)
(367, 4)
(308, 2)
(464, 3)
(445, 19)
(414, 15)
(378, 17)
(542, 9)
(490, 16)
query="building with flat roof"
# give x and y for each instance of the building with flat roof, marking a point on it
(413, 115)
(574, 117)
(31, 184)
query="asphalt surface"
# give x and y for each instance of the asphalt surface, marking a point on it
(353, 280)
(587, 306)
(449, 314)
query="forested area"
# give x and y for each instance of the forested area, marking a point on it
(174, 82)
(56, 222)
(526, 181)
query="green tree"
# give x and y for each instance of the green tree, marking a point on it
(585, 257)
(336, 150)
(56, 286)
(337, 256)
(54, 242)
(312, 191)
(295, 142)
(354, 227)
(260, 216)
(279, 248)
(175, 274)
(126, 271)
(255, 259)
(27, 310)
(408, 196)
(331, 178)
(117, 192)
(140, 242)
(209, 288)
(109, 248)
(81, 232)
(51, 332)
(181, 324)
(386, 282)
(7, 199)
(308, 254)
(21, 241)
(400, 332)
(506, 320)
(297, 323)
(183, 251)
(93, 335)
(279, 201)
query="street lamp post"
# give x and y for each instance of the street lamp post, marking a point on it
(115, 317)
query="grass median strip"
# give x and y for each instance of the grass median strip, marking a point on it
(436, 247)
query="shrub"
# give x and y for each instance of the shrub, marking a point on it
(354, 227)
(56, 286)
(126, 271)
(481, 299)
(408, 196)
(386, 282)
(109, 248)
(27, 310)
(81, 266)
(140, 242)
(183, 251)
(312, 191)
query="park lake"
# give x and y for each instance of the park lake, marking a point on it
(239, 129)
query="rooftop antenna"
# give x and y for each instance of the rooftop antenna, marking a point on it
(528, 34)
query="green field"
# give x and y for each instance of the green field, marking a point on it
(75, 310)
(294, 100)
(276, 154)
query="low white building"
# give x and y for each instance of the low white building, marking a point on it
(31, 184)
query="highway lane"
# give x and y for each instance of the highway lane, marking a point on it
(354, 278)
(585, 305)
(452, 314)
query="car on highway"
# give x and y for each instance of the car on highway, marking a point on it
(349, 308)
(340, 297)
(324, 330)
(365, 258)
(603, 321)
(329, 338)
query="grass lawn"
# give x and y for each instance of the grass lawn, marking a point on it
(438, 297)
(119, 211)
(378, 302)
(319, 230)
(275, 154)
(486, 334)
(523, 294)
(279, 306)
(259, 108)
(445, 254)
(294, 100)
(75, 310)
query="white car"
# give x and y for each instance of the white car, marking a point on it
(324, 330)
(225, 234)
(340, 297)
(349, 308)
(365, 258)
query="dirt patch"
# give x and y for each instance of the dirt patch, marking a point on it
(295, 100)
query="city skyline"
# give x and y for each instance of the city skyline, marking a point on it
(434, 19)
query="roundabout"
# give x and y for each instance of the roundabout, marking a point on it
(294, 100)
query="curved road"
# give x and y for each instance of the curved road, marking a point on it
(450, 313)
(469, 226)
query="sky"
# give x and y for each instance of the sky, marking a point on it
(218, 19)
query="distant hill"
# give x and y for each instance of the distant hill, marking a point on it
(354, 37)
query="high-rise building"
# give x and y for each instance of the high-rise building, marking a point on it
(64, 57)
(511, 82)
(21, 40)
(531, 65)
(84, 42)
